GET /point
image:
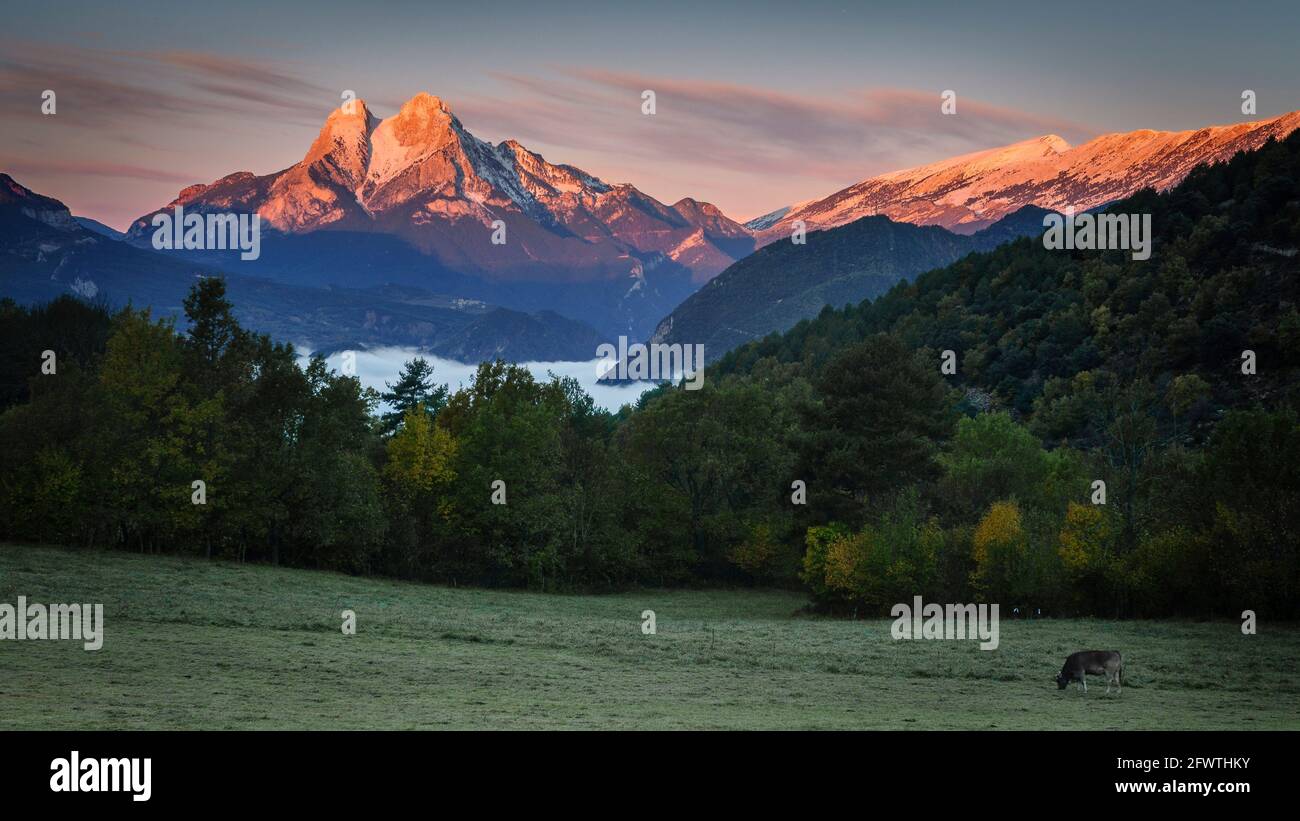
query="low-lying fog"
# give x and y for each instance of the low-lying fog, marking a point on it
(378, 366)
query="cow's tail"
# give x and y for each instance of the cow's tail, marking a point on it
(1121, 668)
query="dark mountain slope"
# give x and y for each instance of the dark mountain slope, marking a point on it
(783, 283)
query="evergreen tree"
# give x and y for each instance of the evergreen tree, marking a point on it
(415, 387)
(215, 343)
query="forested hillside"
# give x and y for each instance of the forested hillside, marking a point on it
(1025, 320)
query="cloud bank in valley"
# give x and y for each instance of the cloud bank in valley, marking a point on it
(379, 366)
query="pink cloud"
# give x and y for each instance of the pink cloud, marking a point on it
(100, 88)
(55, 168)
(788, 145)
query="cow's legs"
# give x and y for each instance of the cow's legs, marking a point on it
(1108, 678)
(1083, 677)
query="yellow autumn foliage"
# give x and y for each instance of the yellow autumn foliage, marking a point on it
(420, 455)
(1000, 528)
(999, 550)
(1084, 536)
(846, 563)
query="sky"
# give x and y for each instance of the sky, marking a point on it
(758, 105)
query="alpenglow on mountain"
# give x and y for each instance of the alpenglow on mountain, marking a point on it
(421, 176)
(972, 191)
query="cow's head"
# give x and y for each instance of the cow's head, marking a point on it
(1061, 681)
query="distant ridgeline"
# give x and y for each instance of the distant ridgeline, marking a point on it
(785, 282)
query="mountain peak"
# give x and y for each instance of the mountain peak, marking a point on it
(1055, 142)
(343, 143)
(422, 122)
(36, 206)
(425, 104)
(421, 127)
(17, 188)
(697, 209)
(356, 109)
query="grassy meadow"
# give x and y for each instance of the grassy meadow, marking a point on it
(191, 644)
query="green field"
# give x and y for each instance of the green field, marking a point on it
(209, 645)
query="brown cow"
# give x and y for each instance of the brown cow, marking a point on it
(1095, 662)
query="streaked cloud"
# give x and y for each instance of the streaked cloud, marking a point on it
(98, 87)
(744, 128)
(18, 166)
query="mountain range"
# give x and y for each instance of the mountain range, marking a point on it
(863, 240)
(45, 252)
(972, 191)
(605, 252)
(383, 235)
